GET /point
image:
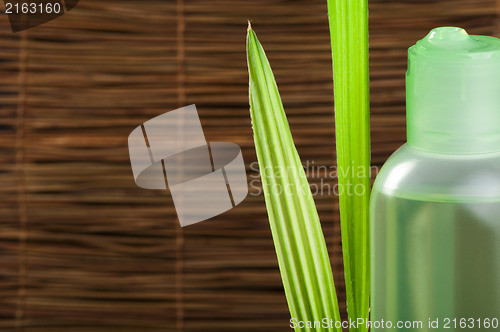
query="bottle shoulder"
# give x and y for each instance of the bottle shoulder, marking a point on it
(421, 175)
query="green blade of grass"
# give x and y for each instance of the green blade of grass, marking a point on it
(295, 226)
(349, 36)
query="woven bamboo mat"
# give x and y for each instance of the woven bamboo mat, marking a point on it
(81, 247)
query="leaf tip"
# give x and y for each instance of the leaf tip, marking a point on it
(250, 34)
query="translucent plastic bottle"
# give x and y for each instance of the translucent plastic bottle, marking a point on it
(435, 208)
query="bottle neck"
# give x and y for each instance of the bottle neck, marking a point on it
(446, 142)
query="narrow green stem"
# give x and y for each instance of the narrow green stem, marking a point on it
(349, 37)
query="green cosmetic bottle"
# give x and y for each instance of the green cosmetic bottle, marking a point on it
(435, 206)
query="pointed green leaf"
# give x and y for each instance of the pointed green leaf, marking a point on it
(296, 229)
(349, 35)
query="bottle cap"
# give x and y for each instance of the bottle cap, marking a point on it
(453, 93)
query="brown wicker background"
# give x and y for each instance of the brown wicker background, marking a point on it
(81, 247)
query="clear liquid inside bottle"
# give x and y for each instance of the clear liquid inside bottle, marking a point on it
(435, 260)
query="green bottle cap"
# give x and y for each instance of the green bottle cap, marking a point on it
(453, 93)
